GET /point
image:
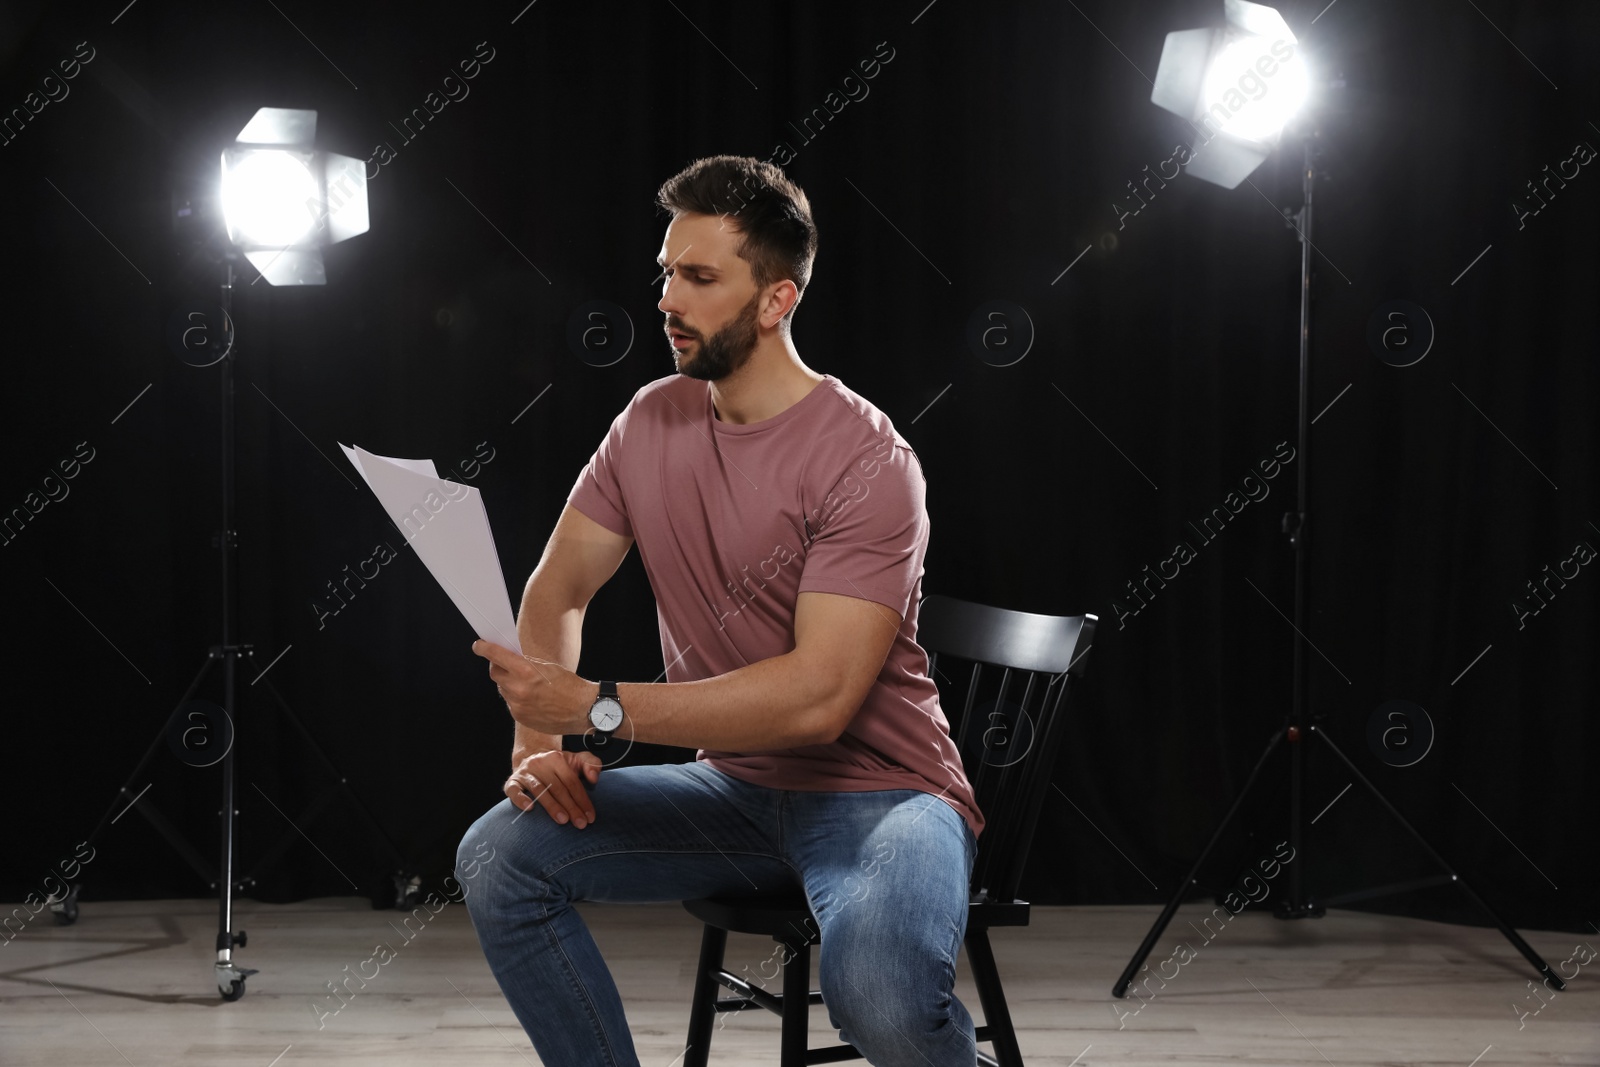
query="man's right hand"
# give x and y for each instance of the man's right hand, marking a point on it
(555, 780)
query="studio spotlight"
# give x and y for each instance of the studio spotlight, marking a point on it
(1238, 86)
(284, 201)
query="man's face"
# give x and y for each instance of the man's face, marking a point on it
(709, 298)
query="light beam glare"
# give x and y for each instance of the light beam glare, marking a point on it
(1251, 91)
(267, 198)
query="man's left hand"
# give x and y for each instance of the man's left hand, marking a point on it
(541, 695)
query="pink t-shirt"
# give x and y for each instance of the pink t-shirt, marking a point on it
(734, 522)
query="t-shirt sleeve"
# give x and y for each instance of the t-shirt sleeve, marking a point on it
(598, 491)
(873, 532)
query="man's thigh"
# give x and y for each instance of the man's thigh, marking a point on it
(669, 832)
(892, 845)
(887, 875)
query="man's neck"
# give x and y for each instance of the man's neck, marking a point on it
(770, 382)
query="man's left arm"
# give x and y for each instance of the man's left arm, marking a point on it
(806, 696)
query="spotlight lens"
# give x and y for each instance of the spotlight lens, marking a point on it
(268, 197)
(1243, 99)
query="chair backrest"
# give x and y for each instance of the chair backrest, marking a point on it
(1008, 744)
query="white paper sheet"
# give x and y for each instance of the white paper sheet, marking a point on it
(445, 523)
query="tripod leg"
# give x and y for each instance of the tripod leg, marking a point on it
(149, 753)
(290, 836)
(1511, 935)
(294, 720)
(180, 844)
(1154, 935)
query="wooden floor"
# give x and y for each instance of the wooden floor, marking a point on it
(131, 983)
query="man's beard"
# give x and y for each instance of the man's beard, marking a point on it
(726, 350)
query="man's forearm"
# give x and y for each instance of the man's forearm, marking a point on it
(549, 629)
(781, 702)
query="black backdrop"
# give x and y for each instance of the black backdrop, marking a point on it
(987, 156)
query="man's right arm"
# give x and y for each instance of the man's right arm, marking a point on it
(580, 557)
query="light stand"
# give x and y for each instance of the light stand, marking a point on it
(1296, 903)
(334, 210)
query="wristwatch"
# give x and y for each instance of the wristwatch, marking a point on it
(605, 714)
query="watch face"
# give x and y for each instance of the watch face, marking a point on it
(606, 714)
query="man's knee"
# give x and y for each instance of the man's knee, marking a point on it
(878, 994)
(881, 1012)
(497, 861)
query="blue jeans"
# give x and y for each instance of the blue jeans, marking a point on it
(886, 874)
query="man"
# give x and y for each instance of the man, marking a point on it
(781, 521)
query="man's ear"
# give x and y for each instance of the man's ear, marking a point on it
(784, 296)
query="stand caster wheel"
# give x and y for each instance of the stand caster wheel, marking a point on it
(401, 889)
(65, 910)
(407, 890)
(230, 979)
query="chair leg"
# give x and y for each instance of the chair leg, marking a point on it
(796, 1006)
(703, 1009)
(986, 976)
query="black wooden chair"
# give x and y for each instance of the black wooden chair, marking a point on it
(1008, 748)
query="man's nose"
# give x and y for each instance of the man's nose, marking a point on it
(669, 302)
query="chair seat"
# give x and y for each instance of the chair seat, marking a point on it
(788, 915)
(775, 915)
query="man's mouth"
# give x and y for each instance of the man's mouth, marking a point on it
(679, 340)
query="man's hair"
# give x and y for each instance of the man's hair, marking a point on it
(769, 210)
